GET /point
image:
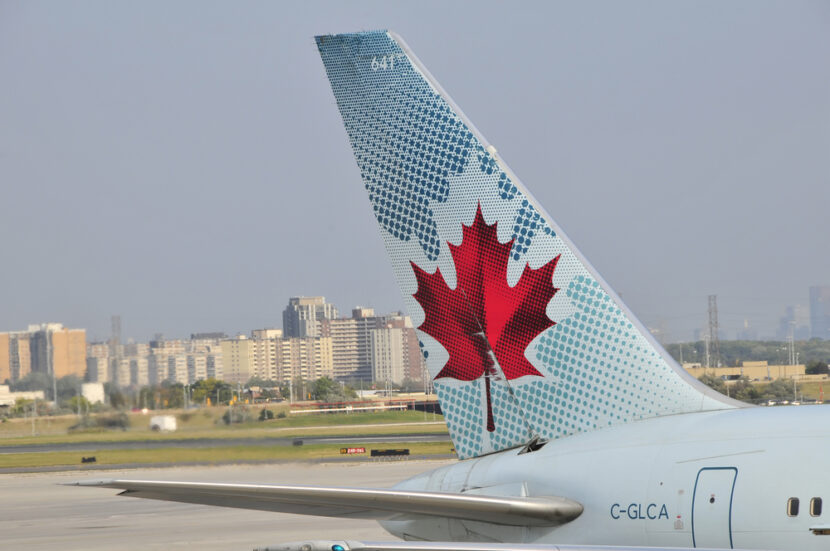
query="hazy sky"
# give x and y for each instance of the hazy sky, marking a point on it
(183, 164)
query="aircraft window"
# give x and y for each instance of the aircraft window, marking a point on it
(792, 507)
(815, 507)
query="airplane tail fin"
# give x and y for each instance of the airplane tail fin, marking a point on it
(521, 335)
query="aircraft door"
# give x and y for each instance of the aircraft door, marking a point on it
(712, 507)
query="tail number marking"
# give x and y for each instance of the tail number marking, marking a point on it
(384, 61)
(639, 511)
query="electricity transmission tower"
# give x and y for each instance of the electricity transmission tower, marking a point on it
(714, 341)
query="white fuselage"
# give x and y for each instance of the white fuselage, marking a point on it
(715, 479)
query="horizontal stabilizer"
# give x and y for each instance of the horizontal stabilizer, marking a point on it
(362, 503)
(343, 545)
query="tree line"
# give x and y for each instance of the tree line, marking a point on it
(814, 352)
(174, 395)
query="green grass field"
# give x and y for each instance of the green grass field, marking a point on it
(206, 423)
(217, 455)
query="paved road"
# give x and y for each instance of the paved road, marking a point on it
(38, 514)
(217, 442)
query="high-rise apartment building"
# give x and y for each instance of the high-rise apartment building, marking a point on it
(183, 361)
(356, 354)
(121, 372)
(20, 352)
(167, 361)
(267, 355)
(387, 355)
(351, 343)
(196, 368)
(48, 348)
(413, 358)
(204, 357)
(5, 358)
(237, 355)
(302, 316)
(308, 358)
(98, 368)
(139, 370)
(68, 352)
(396, 354)
(820, 312)
(122, 364)
(15, 355)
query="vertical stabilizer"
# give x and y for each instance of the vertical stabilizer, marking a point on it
(520, 334)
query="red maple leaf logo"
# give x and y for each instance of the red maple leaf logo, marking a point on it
(483, 316)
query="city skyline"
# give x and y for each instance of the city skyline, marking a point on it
(316, 343)
(799, 319)
(186, 168)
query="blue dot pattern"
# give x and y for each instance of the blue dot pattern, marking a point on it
(426, 173)
(406, 139)
(488, 165)
(528, 223)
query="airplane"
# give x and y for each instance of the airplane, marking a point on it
(574, 428)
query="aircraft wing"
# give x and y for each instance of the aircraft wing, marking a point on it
(365, 503)
(350, 545)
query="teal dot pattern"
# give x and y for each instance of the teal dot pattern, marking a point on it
(465, 417)
(509, 419)
(424, 170)
(599, 370)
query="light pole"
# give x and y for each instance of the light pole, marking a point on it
(34, 414)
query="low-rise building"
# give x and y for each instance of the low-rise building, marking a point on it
(8, 398)
(93, 392)
(755, 371)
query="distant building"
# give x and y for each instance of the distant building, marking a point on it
(387, 354)
(139, 370)
(182, 361)
(268, 355)
(369, 347)
(306, 358)
(747, 332)
(196, 368)
(302, 316)
(121, 375)
(396, 353)
(755, 371)
(238, 357)
(820, 312)
(98, 363)
(204, 358)
(8, 398)
(15, 355)
(351, 343)
(214, 336)
(46, 348)
(265, 353)
(58, 350)
(93, 392)
(795, 322)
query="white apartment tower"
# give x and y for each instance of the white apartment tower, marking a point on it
(302, 316)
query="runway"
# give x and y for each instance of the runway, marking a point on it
(38, 514)
(221, 442)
